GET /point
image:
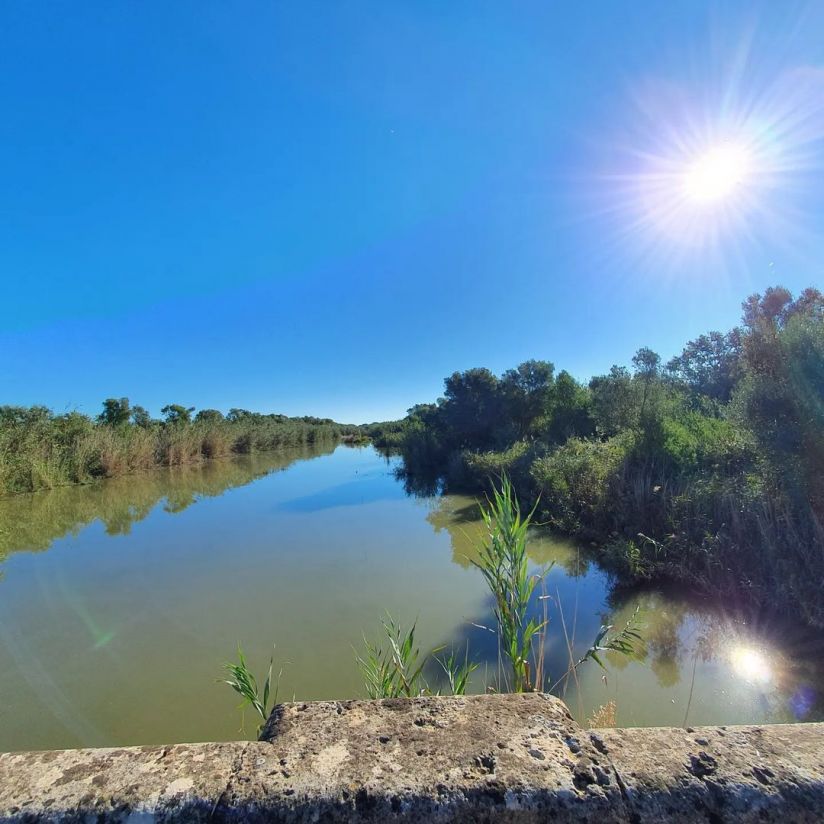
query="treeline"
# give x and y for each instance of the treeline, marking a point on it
(708, 469)
(40, 449)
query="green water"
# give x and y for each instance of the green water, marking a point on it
(119, 602)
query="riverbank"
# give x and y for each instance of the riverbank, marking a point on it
(706, 469)
(42, 450)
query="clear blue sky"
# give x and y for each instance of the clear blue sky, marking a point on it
(325, 208)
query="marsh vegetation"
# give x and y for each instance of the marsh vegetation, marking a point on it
(42, 450)
(707, 470)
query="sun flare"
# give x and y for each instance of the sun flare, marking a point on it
(751, 664)
(718, 173)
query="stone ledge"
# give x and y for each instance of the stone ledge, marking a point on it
(517, 758)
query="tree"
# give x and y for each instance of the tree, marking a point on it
(141, 417)
(115, 412)
(647, 366)
(209, 416)
(527, 393)
(177, 414)
(571, 410)
(613, 401)
(235, 415)
(471, 408)
(781, 396)
(710, 365)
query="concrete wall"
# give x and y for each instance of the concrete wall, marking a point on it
(518, 758)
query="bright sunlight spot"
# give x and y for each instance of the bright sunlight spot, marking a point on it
(716, 174)
(751, 664)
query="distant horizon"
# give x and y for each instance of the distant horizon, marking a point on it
(326, 211)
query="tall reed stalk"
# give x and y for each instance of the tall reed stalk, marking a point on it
(503, 562)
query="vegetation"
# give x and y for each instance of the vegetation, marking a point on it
(243, 682)
(504, 565)
(392, 671)
(40, 450)
(394, 668)
(708, 469)
(397, 670)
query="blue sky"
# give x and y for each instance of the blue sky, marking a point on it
(325, 208)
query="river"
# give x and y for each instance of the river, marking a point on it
(119, 602)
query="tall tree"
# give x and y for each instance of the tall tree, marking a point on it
(710, 365)
(177, 414)
(527, 394)
(116, 412)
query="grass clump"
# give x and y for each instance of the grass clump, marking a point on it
(243, 682)
(392, 670)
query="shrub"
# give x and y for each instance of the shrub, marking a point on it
(574, 481)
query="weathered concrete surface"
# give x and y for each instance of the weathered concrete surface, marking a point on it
(518, 758)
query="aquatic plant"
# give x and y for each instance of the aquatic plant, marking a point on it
(457, 671)
(242, 681)
(504, 564)
(392, 670)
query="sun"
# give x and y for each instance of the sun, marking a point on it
(751, 664)
(718, 173)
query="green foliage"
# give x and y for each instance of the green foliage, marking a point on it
(115, 412)
(457, 671)
(141, 417)
(710, 365)
(627, 641)
(209, 416)
(685, 456)
(41, 450)
(574, 481)
(392, 670)
(482, 469)
(504, 564)
(243, 682)
(177, 414)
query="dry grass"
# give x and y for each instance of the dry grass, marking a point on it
(604, 716)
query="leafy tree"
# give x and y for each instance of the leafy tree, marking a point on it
(647, 365)
(177, 414)
(710, 365)
(471, 408)
(613, 401)
(141, 417)
(116, 412)
(527, 393)
(235, 415)
(209, 416)
(781, 397)
(571, 410)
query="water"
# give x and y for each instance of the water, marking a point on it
(119, 602)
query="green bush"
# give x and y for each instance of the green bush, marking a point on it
(574, 482)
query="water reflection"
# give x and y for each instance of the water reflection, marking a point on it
(698, 663)
(116, 635)
(751, 664)
(459, 516)
(34, 521)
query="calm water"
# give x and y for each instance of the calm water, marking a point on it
(120, 601)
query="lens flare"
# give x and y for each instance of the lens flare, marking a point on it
(710, 168)
(717, 173)
(752, 665)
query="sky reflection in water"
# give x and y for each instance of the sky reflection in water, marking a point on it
(116, 634)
